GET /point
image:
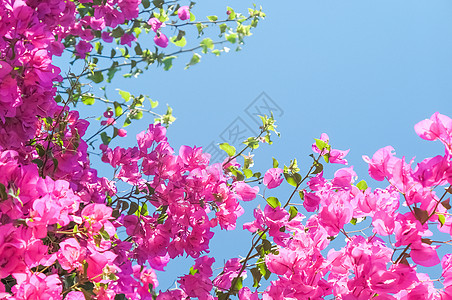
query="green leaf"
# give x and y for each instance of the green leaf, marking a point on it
(146, 3)
(441, 219)
(96, 77)
(252, 142)
(196, 58)
(223, 28)
(293, 212)
(318, 168)
(154, 104)
(206, 43)
(257, 276)
(420, 214)
(133, 208)
(117, 32)
(144, 210)
(248, 173)
(118, 109)
(3, 194)
(192, 17)
(138, 49)
(320, 144)
(38, 162)
(168, 62)
(293, 179)
(353, 221)
(137, 115)
(125, 95)
(127, 122)
(362, 185)
(275, 163)
(104, 234)
(230, 150)
(446, 204)
(200, 28)
(212, 18)
(232, 38)
(105, 138)
(232, 14)
(179, 43)
(158, 3)
(273, 202)
(112, 71)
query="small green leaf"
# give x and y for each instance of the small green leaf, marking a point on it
(104, 234)
(362, 185)
(125, 95)
(96, 77)
(88, 99)
(154, 104)
(146, 3)
(206, 43)
(179, 43)
(3, 194)
(230, 150)
(168, 62)
(275, 163)
(320, 144)
(273, 202)
(231, 13)
(256, 277)
(252, 142)
(353, 221)
(133, 208)
(441, 219)
(118, 109)
(38, 162)
(248, 173)
(293, 212)
(212, 18)
(232, 38)
(420, 214)
(223, 28)
(105, 138)
(196, 58)
(192, 17)
(158, 3)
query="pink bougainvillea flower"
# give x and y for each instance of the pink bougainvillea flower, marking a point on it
(382, 163)
(273, 178)
(122, 132)
(82, 48)
(155, 24)
(75, 296)
(183, 13)
(245, 192)
(70, 255)
(161, 40)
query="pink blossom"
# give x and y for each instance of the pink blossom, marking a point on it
(183, 13)
(122, 132)
(273, 178)
(75, 296)
(70, 255)
(155, 24)
(161, 40)
(127, 39)
(244, 191)
(82, 48)
(382, 163)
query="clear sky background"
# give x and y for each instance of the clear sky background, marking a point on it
(365, 72)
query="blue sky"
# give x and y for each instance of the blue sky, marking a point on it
(365, 72)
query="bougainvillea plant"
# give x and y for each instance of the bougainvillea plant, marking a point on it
(61, 224)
